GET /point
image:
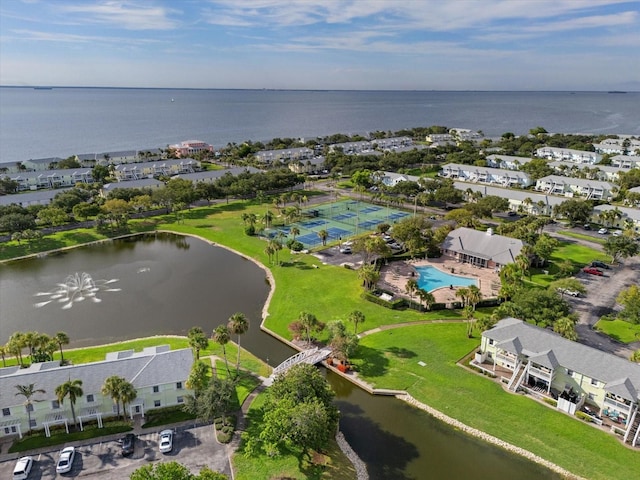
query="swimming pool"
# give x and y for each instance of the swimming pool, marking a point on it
(431, 278)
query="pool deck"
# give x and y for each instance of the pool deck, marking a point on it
(394, 277)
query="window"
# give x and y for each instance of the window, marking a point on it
(156, 403)
(90, 398)
(29, 407)
(180, 399)
(570, 372)
(491, 341)
(6, 412)
(179, 385)
(594, 382)
(55, 404)
(156, 389)
(33, 423)
(592, 396)
(9, 430)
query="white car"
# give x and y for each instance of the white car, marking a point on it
(617, 233)
(22, 468)
(566, 291)
(166, 441)
(65, 460)
(603, 231)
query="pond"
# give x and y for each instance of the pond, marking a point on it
(167, 284)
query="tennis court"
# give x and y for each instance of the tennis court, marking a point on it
(341, 220)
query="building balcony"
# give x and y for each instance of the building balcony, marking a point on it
(542, 374)
(614, 405)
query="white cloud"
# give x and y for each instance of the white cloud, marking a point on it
(122, 14)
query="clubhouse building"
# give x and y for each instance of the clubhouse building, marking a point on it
(157, 373)
(579, 378)
(481, 249)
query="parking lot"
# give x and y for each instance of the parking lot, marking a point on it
(192, 447)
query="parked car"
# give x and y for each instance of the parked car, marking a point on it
(65, 460)
(592, 271)
(603, 231)
(128, 443)
(569, 292)
(22, 468)
(166, 441)
(599, 264)
(395, 246)
(511, 213)
(617, 233)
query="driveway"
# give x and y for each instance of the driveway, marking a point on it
(193, 447)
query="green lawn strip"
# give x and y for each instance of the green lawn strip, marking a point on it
(389, 359)
(288, 465)
(99, 353)
(619, 330)
(582, 236)
(60, 436)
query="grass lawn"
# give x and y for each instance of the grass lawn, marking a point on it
(60, 437)
(582, 236)
(389, 359)
(165, 416)
(619, 330)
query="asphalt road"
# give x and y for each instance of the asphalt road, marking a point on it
(192, 447)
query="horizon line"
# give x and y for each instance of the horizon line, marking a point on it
(95, 87)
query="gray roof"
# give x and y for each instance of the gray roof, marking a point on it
(632, 213)
(122, 153)
(157, 164)
(153, 366)
(62, 172)
(508, 158)
(620, 376)
(581, 182)
(41, 197)
(583, 166)
(142, 183)
(500, 249)
(510, 193)
(216, 173)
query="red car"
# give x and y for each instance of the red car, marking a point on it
(592, 271)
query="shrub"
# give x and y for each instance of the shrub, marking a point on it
(250, 230)
(583, 416)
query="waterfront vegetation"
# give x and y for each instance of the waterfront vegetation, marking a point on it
(388, 359)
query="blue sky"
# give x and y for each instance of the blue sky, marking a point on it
(323, 44)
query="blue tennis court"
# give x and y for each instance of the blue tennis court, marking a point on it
(341, 220)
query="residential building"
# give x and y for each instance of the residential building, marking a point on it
(352, 148)
(623, 218)
(440, 138)
(51, 178)
(157, 373)
(118, 157)
(168, 168)
(546, 365)
(568, 154)
(482, 249)
(465, 135)
(506, 162)
(40, 197)
(190, 147)
(210, 176)
(570, 187)
(497, 176)
(626, 161)
(524, 201)
(284, 155)
(311, 165)
(40, 164)
(622, 146)
(143, 183)
(604, 173)
(391, 179)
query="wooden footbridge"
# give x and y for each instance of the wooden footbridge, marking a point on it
(310, 356)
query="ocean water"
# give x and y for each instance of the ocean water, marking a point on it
(37, 123)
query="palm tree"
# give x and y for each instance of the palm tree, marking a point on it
(566, 327)
(269, 250)
(30, 340)
(310, 323)
(469, 313)
(238, 325)
(72, 389)
(369, 276)
(323, 234)
(411, 287)
(112, 387)
(474, 296)
(221, 336)
(61, 338)
(197, 340)
(128, 394)
(295, 231)
(267, 218)
(28, 391)
(463, 294)
(356, 317)
(3, 354)
(15, 345)
(426, 297)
